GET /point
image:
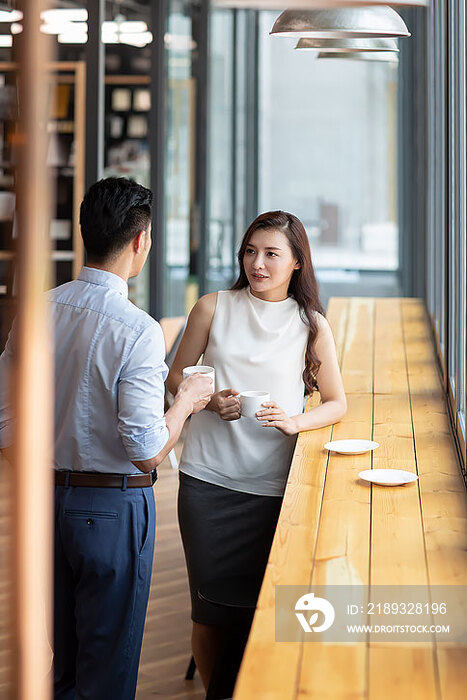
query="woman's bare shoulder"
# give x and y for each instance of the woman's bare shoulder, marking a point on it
(321, 319)
(203, 310)
(324, 329)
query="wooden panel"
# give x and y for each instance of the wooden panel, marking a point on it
(402, 671)
(357, 363)
(423, 367)
(80, 154)
(342, 558)
(269, 668)
(442, 492)
(390, 363)
(32, 478)
(337, 316)
(6, 582)
(342, 555)
(397, 540)
(418, 532)
(397, 553)
(452, 664)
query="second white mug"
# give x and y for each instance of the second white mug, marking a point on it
(250, 402)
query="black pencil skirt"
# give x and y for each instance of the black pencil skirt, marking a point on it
(225, 534)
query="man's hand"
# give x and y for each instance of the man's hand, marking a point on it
(225, 404)
(196, 390)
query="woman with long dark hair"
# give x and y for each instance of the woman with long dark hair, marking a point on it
(267, 333)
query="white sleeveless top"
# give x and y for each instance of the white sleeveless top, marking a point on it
(253, 345)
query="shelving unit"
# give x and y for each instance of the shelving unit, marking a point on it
(127, 104)
(65, 159)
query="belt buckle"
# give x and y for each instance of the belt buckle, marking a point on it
(153, 476)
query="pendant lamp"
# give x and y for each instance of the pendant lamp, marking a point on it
(383, 56)
(314, 4)
(348, 45)
(364, 22)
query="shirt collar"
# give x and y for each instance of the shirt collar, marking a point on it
(104, 279)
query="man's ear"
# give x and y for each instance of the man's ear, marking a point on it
(139, 241)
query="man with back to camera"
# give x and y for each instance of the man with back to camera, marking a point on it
(110, 435)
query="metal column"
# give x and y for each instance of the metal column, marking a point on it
(157, 146)
(200, 67)
(95, 74)
(252, 141)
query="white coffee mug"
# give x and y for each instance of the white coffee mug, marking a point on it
(203, 369)
(251, 402)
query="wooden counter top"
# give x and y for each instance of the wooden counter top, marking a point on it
(336, 529)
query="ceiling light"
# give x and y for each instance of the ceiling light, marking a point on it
(348, 45)
(65, 28)
(314, 4)
(65, 14)
(139, 39)
(56, 28)
(322, 24)
(110, 38)
(16, 28)
(10, 15)
(133, 27)
(383, 56)
(179, 42)
(6, 40)
(133, 33)
(72, 38)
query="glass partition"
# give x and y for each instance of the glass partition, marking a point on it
(219, 261)
(179, 158)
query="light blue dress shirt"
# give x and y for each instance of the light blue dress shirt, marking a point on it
(109, 377)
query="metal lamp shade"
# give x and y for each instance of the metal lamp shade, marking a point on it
(364, 22)
(382, 56)
(314, 4)
(348, 45)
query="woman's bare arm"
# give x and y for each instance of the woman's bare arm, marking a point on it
(194, 340)
(331, 388)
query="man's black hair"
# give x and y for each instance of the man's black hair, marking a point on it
(113, 211)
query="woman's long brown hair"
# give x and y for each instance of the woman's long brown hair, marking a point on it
(303, 285)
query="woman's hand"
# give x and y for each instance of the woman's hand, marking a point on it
(225, 404)
(274, 417)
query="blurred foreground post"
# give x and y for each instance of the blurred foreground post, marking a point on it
(33, 390)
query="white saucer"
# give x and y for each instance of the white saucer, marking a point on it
(351, 447)
(388, 477)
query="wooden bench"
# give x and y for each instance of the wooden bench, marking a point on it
(335, 529)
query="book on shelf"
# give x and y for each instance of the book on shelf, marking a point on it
(142, 100)
(60, 101)
(121, 100)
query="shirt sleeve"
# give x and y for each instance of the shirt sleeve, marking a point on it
(6, 404)
(141, 422)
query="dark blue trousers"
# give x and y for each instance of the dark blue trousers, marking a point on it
(104, 546)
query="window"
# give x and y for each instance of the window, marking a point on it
(447, 257)
(327, 132)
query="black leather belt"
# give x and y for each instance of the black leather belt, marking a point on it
(99, 479)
